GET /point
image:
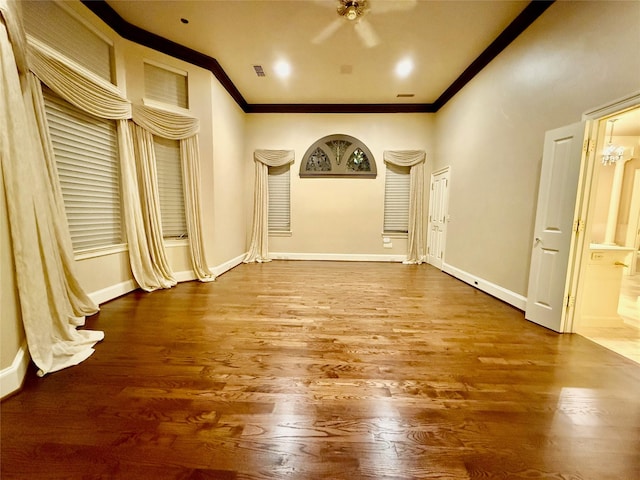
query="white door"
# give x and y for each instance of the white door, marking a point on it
(438, 212)
(554, 229)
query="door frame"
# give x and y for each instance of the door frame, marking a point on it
(585, 203)
(633, 228)
(444, 170)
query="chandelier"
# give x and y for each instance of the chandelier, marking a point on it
(612, 153)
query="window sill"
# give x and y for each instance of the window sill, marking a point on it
(166, 107)
(395, 234)
(280, 234)
(101, 251)
(175, 242)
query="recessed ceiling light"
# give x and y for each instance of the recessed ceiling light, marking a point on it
(282, 69)
(404, 68)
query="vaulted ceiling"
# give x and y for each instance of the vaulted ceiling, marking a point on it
(334, 64)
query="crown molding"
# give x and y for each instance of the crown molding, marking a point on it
(143, 37)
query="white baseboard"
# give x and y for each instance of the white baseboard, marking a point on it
(185, 276)
(492, 289)
(11, 378)
(114, 291)
(341, 257)
(119, 289)
(228, 265)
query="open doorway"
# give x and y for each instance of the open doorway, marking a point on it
(608, 290)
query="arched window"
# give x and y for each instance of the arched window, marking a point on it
(338, 156)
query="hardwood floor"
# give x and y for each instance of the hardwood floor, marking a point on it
(327, 370)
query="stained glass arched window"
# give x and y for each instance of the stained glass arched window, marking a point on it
(338, 156)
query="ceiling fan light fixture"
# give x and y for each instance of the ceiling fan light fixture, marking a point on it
(352, 13)
(612, 153)
(352, 9)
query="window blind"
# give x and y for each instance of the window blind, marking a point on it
(279, 199)
(170, 187)
(53, 25)
(396, 199)
(85, 149)
(165, 86)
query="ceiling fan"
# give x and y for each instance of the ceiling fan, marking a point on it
(354, 11)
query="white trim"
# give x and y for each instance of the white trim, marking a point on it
(228, 265)
(394, 234)
(11, 378)
(614, 107)
(167, 107)
(114, 291)
(101, 251)
(341, 257)
(492, 289)
(442, 170)
(164, 66)
(184, 276)
(122, 288)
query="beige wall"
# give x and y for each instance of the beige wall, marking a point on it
(576, 56)
(336, 215)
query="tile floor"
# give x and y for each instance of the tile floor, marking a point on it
(624, 340)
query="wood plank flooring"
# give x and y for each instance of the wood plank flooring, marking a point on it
(327, 370)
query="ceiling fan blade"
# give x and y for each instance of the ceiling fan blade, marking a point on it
(367, 33)
(328, 31)
(384, 6)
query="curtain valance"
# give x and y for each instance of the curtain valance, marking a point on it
(404, 158)
(274, 158)
(166, 124)
(77, 85)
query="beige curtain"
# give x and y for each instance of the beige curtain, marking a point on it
(175, 126)
(97, 97)
(81, 303)
(414, 159)
(49, 305)
(148, 180)
(190, 155)
(259, 248)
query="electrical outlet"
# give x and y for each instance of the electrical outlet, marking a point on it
(387, 245)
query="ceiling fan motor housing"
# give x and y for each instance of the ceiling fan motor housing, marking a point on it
(352, 9)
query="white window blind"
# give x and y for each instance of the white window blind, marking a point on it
(165, 86)
(53, 25)
(86, 155)
(279, 199)
(170, 189)
(396, 199)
